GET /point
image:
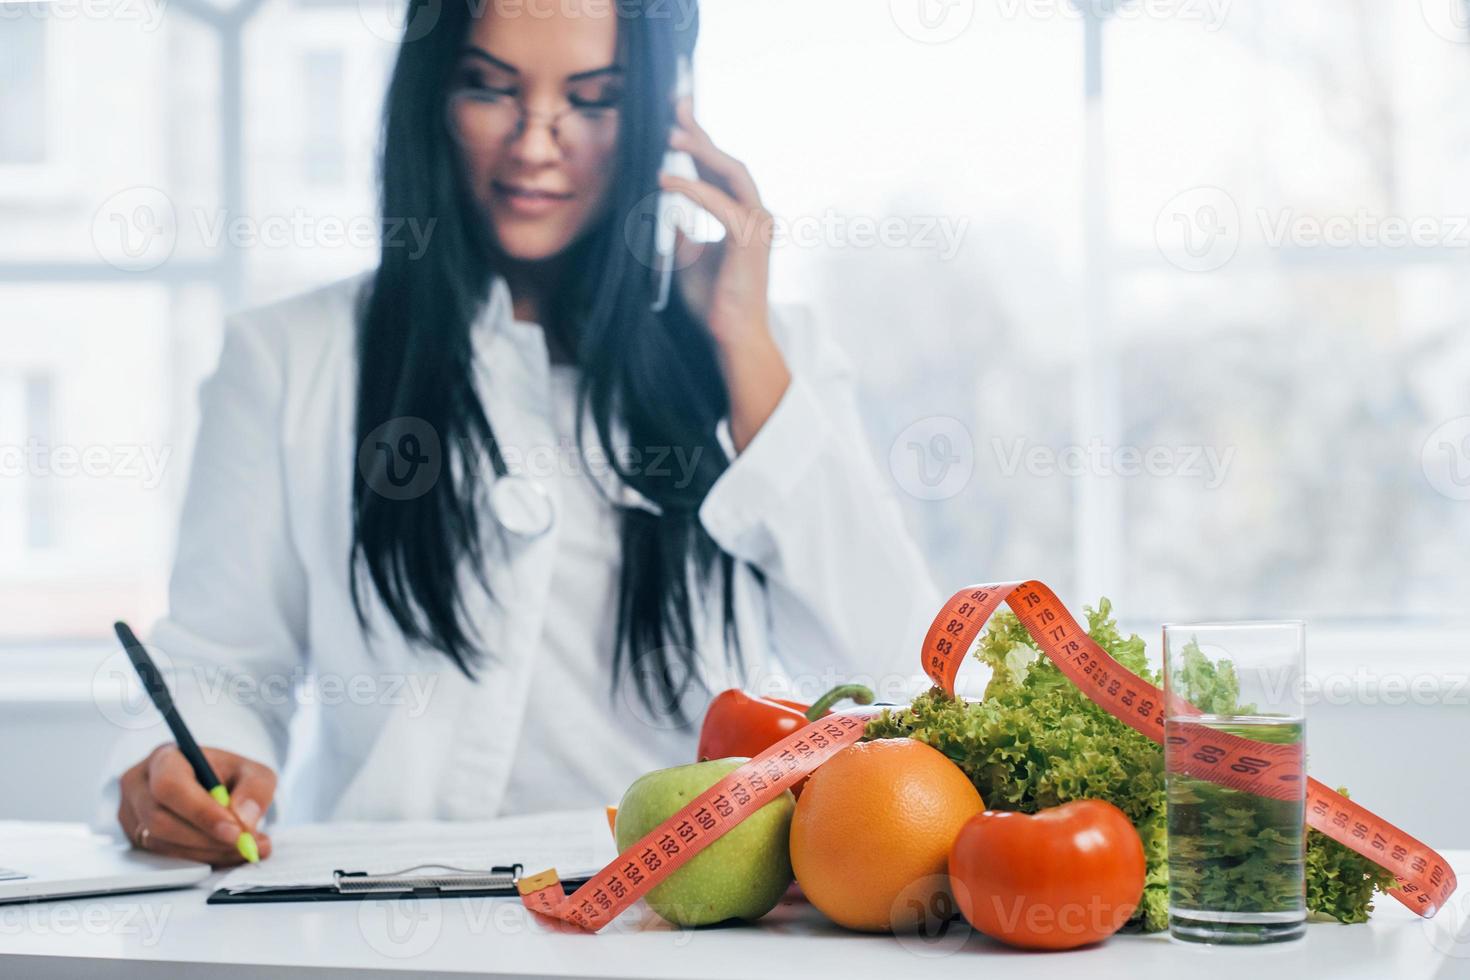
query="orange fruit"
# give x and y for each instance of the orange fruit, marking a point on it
(875, 825)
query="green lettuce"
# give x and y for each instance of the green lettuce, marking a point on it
(1036, 741)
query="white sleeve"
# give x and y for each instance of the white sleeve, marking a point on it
(232, 643)
(850, 594)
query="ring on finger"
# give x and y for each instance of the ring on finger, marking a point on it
(142, 838)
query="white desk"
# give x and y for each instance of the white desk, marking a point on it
(175, 935)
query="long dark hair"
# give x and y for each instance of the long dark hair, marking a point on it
(655, 373)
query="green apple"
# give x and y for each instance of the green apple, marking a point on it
(740, 876)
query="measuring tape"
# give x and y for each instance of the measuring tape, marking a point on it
(1425, 879)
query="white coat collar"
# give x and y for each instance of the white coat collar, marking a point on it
(497, 320)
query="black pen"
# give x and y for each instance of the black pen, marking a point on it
(164, 702)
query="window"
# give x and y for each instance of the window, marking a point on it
(1173, 311)
(40, 503)
(1193, 434)
(324, 148)
(22, 84)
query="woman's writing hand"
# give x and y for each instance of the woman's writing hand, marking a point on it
(728, 283)
(163, 809)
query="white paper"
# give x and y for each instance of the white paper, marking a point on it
(576, 843)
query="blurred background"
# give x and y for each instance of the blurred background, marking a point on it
(1165, 301)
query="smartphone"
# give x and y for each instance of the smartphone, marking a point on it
(675, 211)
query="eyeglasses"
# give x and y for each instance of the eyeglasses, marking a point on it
(497, 117)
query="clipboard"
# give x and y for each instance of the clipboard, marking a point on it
(435, 881)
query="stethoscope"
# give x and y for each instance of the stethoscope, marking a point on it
(520, 505)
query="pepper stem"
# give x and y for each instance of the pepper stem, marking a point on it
(842, 692)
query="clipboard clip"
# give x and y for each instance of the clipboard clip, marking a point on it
(441, 878)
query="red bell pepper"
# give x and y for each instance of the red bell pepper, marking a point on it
(738, 724)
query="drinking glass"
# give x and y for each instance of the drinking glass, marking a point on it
(1234, 749)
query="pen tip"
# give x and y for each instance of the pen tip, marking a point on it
(248, 849)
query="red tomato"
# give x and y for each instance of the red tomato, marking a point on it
(1063, 878)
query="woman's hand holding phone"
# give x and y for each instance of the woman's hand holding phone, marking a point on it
(728, 283)
(163, 809)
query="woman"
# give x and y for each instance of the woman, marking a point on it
(511, 523)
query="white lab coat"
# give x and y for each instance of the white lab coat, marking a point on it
(259, 592)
